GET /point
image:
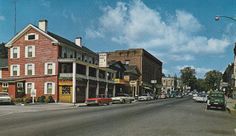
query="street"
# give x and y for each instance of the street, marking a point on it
(170, 117)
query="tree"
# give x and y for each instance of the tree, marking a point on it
(3, 51)
(212, 79)
(188, 77)
(201, 85)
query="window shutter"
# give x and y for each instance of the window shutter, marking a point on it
(26, 51)
(53, 68)
(0, 73)
(18, 70)
(53, 88)
(11, 70)
(18, 52)
(26, 70)
(11, 53)
(45, 69)
(33, 69)
(26, 37)
(36, 36)
(33, 51)
(45, 88)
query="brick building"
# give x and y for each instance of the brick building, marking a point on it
(149, 67)
(44, 63)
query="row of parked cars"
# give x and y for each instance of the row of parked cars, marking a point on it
(214, 99)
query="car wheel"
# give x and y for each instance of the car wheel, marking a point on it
(123, 101)
(208, 107)
(223, 108)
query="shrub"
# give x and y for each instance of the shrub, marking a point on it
(235, 106)
(18, 100)
(41, 99)
(49, 99)
(27, 99)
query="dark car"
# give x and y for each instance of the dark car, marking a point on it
(216, 100)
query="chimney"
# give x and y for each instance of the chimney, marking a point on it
(78, 41)
(43, 25)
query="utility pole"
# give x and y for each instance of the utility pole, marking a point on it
(15, 17)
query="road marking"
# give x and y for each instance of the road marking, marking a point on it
(235, 130)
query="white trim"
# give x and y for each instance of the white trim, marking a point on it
(33, 69)
(5, 84)
(11, 53)
(35, 35)
(9, 44)
(45, 88)
(27, 51)
(53, 68)
(32, 87)
(18, 52)
(0, 73)
(18, 70)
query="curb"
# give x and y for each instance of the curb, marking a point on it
(231, 111)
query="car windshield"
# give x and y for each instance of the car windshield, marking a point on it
(217, 95)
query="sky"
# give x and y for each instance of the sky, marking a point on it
(180, 33)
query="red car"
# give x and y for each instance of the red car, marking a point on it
(99, 100)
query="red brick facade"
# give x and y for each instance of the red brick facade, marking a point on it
(45, 52)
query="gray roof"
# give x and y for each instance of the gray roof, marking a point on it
(70, 43)
(3, 62)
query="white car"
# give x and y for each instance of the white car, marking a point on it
(5, 98)
(194, 96)
(201, 98)
(122, 98)
(145, 97)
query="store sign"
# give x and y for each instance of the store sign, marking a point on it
(102, 59)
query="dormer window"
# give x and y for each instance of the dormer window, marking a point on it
(31, 36)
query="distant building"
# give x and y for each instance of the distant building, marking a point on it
(150, 68)
(168, 84)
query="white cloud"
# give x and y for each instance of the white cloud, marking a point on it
(2, 18)
(45, 3)
(137, 25)
(69, 15)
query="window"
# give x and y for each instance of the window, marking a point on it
(29, 87)
(29, 69)
(29, 51)
(49, 88)
(19, 85)
(31, 36)
(5, 85)
(49, 68)
(15, 52)
(15, 70)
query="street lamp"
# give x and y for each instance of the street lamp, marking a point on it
(217, 18)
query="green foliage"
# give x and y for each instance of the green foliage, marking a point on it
(188, 77)
(201, 85)
(41, 99)
(212, 79)
(49, 99)
(27, 99)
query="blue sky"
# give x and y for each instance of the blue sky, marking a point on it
(178, 32)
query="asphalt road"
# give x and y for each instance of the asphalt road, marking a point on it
(173, 117)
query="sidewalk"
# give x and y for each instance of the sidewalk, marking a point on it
(230, 105)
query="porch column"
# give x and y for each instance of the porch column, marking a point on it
(114, 90)
(87, 87)
(74, 83)
(106, 90)
(97, 75)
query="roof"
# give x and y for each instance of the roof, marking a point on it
(70, 43)
(3, 62)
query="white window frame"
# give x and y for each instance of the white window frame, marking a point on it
(18, 70)
(5, 84)
(32, 87)
(27, 51)
(53, 68)
(26, 69)
(12, 53)
(46, 89)
(27, 37)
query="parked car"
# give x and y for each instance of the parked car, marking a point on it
(179, 96)
(194, 96)
(122, 98)
(99, 100)
(145, 97)
(216, 100)
(201, 98)
(5, 98)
